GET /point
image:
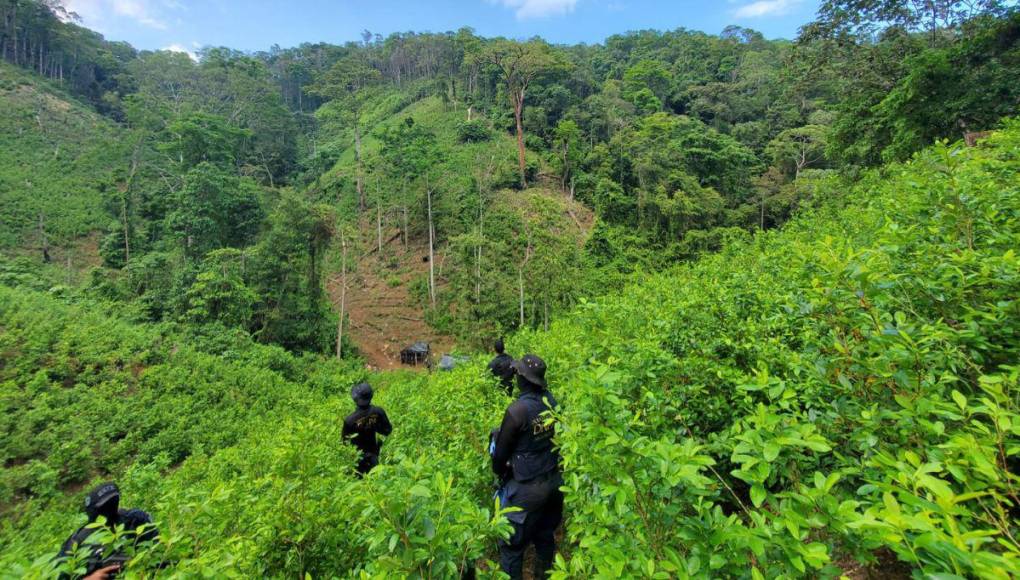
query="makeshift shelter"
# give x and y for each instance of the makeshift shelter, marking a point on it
(416, 354)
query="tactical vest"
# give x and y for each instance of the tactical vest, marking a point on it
(534, 454)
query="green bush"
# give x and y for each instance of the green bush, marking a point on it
(474, 131)
(812, 396)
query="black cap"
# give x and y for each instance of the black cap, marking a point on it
(532, 369)
(362, 394)
(106, 495)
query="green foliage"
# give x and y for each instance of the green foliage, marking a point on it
(242, 463)
(474, 131)
(219, 293)
(810, 396)
(837, 391)
(56, 159)
(214, 210)
(287, 277)
(203, 138)
(84, 394)
(914, 93)
(799, 401)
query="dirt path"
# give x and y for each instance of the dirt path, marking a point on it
(383, 316)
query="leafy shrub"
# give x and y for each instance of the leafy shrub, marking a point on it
(474, 131)
(810, 396)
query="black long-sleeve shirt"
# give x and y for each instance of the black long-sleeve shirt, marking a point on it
(524, 445)
(132, 520)
(501, 369)
(364, 425)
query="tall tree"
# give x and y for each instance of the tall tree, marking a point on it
(519, 64)
(795, 150)
(865, 17)
(348, 83)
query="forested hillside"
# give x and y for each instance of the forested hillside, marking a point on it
(775, 282)
(413, 145)
(47, 212)
(828, 399)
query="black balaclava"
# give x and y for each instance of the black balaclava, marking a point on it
(500, 348)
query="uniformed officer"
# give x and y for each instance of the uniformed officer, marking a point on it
(364, 426)
(523, 455)
(501, 368)
(104, 501)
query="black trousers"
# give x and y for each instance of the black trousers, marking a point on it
(367, 462)
(543, 512)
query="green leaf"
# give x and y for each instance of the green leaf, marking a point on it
(717, 561)
(419, 490)
(936, 485)
(758, 495)
(961, 401)
(817, 445)
(772, 450)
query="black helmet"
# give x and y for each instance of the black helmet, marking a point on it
(532, 369)
(103, 500)
(362, 394)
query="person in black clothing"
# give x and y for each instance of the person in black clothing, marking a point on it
(524, 457)
(363, 427)
(105, 501)
(501, 368)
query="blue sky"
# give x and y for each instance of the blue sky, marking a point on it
(258, 24)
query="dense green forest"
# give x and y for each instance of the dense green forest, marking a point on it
(775, 282)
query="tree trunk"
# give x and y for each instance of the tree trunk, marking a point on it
(520, 281)
(478, 259)
(127, 231)
(520, 276)
(761, 223)
(357, 154)
(124, 206)
(378, 225)
(405, 228)
(566, 167)
(44, 239)
(343, 296)
(432, 241)
(518, 114)
(14, 30)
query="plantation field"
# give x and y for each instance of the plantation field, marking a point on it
(800, 405)
(57, 157)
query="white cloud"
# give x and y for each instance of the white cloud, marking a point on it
(764, 8)
(525, 9)
(138, 10)
(94, 13)
(178, 48)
